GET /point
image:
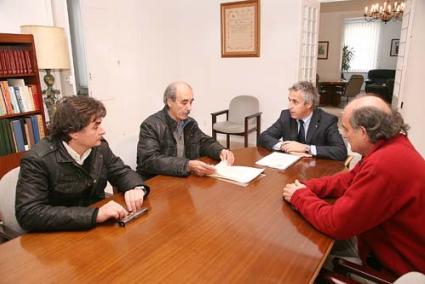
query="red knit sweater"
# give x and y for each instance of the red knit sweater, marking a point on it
(381, 201)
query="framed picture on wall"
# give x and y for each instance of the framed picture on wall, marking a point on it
(240, 29)
(323, 48)
(395, 43)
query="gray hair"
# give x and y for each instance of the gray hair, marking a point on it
(171, 91)
(378, 123)
(311, 95)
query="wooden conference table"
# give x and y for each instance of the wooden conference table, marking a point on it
(198, 230)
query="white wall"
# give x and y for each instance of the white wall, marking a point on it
(132, 58)
(413, 96)
(331, 29)
(389, 31)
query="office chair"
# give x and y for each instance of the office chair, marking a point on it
(353, 87)
(10, 227)
(343, 266)
(239, 119)
(126, 149)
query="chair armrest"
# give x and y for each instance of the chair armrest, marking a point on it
(344, 266)
(329, 277)
(252, 115)
(7, 233)
(215, 114)
(257, 115)
(348, 161)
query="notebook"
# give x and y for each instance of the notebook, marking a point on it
(240, 174)
(278, 160)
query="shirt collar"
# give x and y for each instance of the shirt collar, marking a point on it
(79, 159)
(307, 119)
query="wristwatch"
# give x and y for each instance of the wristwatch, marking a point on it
(142, 188)
(308, 149)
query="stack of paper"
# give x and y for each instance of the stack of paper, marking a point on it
(278, 160)
(239, 174)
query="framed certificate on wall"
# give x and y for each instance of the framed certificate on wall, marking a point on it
(240, 29)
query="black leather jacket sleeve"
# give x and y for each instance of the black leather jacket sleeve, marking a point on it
(33, 211)
(154, 157)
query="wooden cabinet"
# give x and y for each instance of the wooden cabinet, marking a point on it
(18, 65)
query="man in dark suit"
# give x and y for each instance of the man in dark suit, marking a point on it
(305, 130)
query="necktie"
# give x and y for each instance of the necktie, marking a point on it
(301, 133)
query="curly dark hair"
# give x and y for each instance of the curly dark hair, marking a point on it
(73, 114)
(378, 123)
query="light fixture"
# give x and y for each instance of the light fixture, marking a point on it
(386, 12)
(51, 48)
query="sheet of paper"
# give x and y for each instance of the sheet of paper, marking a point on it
(239, 174)
(278, 160)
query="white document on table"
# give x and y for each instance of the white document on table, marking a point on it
(239, 174)
(278, 160)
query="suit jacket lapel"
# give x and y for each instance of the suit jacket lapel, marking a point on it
(314, 124)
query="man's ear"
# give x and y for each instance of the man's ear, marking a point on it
(364, 132)
(73, 135)
(309, 105)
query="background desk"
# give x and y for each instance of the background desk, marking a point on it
(199, 229)
(328, 92)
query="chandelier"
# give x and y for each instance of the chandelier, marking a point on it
(385, 12)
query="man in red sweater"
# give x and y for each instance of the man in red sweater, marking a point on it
(381, 200)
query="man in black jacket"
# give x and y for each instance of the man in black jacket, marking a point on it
(68, 171)
(170, 141)
(305, 130)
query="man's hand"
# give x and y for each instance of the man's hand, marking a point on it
(227, 155)
(200, 168)
(303, 155)
(134, 199)
(290, 188)
(111, 210)
(293, 146)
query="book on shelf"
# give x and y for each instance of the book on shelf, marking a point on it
(15, 60)
(4, 143)
(6, 95)
(3, 109)
(35, 129)
(29, 132)
(240, 174)
(19, 98)
(14, 100)
(278, 160)
(40, 126)
(27, 98)
(18, 134)
(28, 61)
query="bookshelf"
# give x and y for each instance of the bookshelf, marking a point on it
(22, 108)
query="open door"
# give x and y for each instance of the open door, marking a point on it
(309, 39)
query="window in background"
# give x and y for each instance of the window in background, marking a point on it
(78, 46)
(363, 38)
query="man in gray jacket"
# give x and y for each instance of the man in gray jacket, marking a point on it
(68, 171)
(170, 141)
(304, 129)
